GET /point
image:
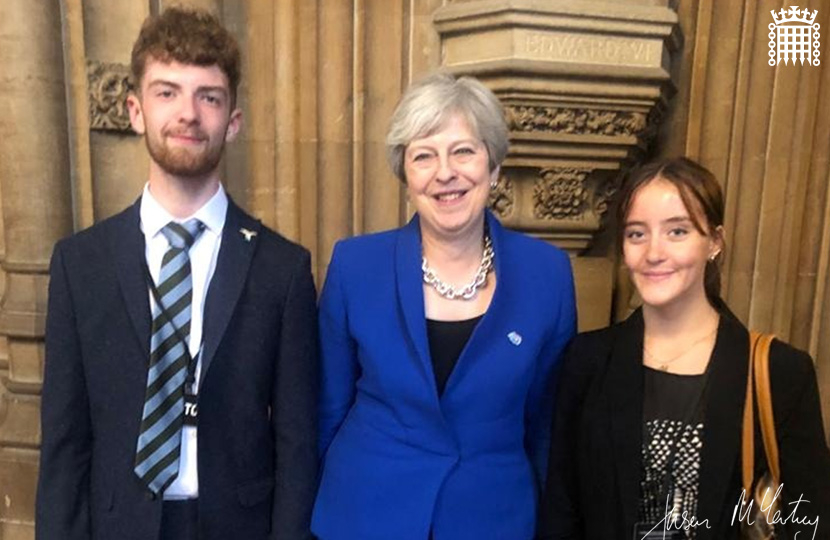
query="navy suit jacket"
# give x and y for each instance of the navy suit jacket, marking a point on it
(257, 456)
(399, 459)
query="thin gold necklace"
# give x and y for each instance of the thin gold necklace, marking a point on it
(664, 364)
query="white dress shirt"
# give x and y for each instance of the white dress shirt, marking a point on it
(203, 256)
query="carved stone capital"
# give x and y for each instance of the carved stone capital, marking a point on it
(560, 194)
(583, 85)
(566, 205)
(575, 121)
(109, 85)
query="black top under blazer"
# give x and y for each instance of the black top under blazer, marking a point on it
(593, 484)
(257, 459)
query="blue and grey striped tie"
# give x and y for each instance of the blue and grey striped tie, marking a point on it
(159, 442)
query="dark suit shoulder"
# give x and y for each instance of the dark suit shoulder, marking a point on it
(587, 355)
(271, 239)
(108, 225)
(90, 244)
(784, 359)
(275, 253)
(791, 375)
(599, 341)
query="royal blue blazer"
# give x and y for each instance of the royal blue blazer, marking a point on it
(399, 460)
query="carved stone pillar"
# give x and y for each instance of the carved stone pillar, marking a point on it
(36, 211)
(118, 157)
(584, 85)
(763, 131)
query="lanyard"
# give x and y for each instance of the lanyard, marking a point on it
(192, 361)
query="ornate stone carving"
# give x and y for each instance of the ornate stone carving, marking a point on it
(603, 198)
(561, 194)
(502, 198)
(575, 121)
(583, 85)
(109, 85)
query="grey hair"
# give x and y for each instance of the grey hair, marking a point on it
(428, 105)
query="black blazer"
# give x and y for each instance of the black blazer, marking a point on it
(595, 466)
(257, 456)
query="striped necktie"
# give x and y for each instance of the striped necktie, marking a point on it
(159, 442)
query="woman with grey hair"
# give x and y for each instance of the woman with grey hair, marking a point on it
(439, 343)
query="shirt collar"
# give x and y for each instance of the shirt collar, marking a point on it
(154, 217)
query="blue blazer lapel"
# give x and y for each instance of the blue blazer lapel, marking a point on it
(126, 243)
(232, 265)
(408, 278)
(411, 297)
(495, 320)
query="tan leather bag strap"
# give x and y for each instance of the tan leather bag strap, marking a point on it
(747, 435)
(764, 394)
(759, 372)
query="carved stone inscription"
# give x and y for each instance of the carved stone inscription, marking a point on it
(109, 85)
(560, 194)
(588, 48)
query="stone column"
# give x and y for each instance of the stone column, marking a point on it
(119, 159)
(36, 212)
(584, 86)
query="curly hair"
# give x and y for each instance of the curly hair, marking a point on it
(189, 36)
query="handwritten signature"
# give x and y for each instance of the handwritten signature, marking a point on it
(674, 521)
(743, 510)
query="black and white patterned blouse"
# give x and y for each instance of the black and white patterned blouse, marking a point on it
(672, 442)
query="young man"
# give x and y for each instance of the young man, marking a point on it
(180, 381)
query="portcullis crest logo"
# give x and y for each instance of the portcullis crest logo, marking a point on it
(794, 37)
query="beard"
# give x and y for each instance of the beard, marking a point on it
(182, 161)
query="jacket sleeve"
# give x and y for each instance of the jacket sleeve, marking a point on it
(337, 355)
(540, 400)
(62, 507)
(560, 514)
(294, 409)
(803, 453)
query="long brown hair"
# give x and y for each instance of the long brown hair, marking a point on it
(701, 195)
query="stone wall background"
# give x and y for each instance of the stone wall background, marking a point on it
(591, 88)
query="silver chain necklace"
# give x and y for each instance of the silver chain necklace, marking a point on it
(468, 291)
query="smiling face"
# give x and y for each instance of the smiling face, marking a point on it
(448, 179)
(664, 251)
(184, 111)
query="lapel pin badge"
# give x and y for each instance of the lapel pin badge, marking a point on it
(515, 338)
(247, 233)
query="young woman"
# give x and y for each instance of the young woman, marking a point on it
(649, 411)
